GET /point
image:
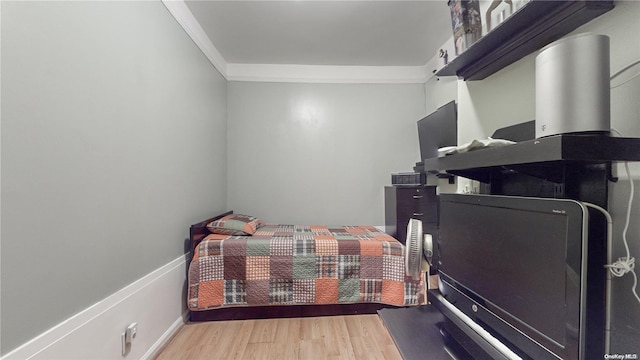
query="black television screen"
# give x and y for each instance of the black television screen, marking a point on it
(438, 129)
(520, 261)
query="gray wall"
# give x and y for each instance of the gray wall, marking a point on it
(319, 153)
(440, 91)
(508, 97)
(113, 142)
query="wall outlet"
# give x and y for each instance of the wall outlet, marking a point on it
(127, 337)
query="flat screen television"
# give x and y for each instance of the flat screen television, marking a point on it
(438, 129)
(517, 267)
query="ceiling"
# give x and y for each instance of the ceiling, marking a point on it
(252, 37)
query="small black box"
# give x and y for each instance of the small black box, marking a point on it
(408, 179)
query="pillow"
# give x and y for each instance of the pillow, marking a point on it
(235, 224)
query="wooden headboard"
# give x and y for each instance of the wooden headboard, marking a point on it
(199, 231)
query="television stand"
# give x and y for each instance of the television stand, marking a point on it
(466, 337)
(567, 166)
(418, 333)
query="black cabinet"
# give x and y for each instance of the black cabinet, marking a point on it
(407, 202)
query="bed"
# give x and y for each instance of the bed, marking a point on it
(241, 267)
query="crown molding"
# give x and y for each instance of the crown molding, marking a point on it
(326, 73)
(292, 73)
(191, 26)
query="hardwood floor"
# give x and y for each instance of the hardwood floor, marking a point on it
(330, 337)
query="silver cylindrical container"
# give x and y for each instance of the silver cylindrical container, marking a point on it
(572, 86)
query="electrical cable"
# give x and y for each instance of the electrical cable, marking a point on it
(607, 320)
(626, 264)
(619, 268)
(623, 265)
(619, 72)
(626, 81)
(616, 74)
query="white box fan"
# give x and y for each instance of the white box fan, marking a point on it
(418, 251)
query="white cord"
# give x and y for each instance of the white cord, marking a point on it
(626, 264)
(607, 320)
(623, 265)
(626, 81)
(623, 70)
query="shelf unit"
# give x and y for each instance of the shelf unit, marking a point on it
(575, 166)
(569, 166)
(527, 30)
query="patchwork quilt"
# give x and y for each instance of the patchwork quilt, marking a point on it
(294, 265)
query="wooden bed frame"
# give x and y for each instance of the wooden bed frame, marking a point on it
(199, 231)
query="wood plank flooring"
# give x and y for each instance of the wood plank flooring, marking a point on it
(330, 337)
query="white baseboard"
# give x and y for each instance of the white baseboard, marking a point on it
(156, 302)
(156, 348)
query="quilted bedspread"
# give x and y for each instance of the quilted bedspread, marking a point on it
(292, 265)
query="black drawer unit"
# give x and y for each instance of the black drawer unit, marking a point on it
(405, 202)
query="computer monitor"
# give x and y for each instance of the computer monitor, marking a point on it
(438, 129)
(517, 266)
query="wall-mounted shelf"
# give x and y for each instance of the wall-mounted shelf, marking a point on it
(538, 155)
(535, 25)
(592, 148)
(564, 166)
